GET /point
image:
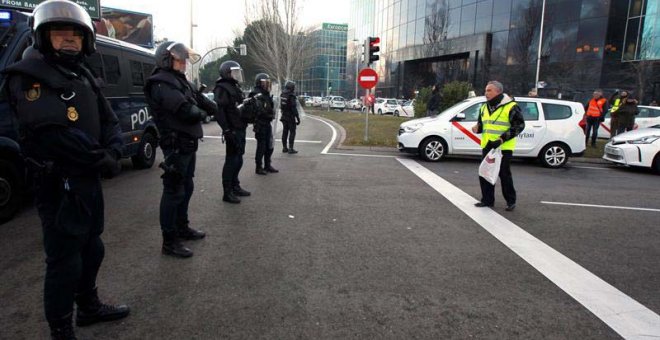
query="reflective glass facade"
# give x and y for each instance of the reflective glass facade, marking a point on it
(328, 68)
(435, 41)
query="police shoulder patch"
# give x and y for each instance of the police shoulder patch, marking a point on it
(33, 93)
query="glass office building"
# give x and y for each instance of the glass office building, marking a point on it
(327, 72)
(586, 44)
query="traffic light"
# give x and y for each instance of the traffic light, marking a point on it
(370, 50)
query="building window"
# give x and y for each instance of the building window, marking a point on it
(137, 77)
(642, 39)
(112, 72)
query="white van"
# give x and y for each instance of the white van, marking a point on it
(552, 132)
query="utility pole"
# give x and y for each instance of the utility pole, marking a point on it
(538, 57)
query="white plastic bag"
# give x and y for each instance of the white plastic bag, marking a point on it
(490, 166)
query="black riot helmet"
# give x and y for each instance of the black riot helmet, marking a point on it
(231, 70)
(262, 80)
(290, 86)
(170, 50)
(61, 13)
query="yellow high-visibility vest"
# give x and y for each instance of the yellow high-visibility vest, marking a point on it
(495, 124)
(616, 105)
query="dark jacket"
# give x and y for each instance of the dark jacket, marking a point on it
(433, 106)
(228, 96)
(627, 112)
(172, 101)
(265, 106)
(62, 117)
(289, 107)
(516, 118)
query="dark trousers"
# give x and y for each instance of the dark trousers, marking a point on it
(71, 213)
(234, 160)
(592, 129)
(506, 179)
(178, 187)
(264, 135)
(288, 132)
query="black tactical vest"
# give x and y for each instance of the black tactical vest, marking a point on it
(232, 113)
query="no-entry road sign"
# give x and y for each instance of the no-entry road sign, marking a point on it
(367, 78)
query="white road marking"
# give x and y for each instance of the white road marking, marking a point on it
(622, 313)
(601, 206)
(332, 141)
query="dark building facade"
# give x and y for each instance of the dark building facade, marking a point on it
(586, 44)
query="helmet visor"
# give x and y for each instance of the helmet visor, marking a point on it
(265, 84)
(182, 52)
(237, 74)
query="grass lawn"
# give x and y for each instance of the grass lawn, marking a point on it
(382, 129)
(598, 151)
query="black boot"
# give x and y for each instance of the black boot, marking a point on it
(238, 191)
(269, 168)
(292, 151)
(261, 171)
(173, 247)
(229, 195)
(62, 329)
(91, 310)
(186, 233)
(285, 150)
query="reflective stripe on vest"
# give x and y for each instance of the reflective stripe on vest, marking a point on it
(596, 107)
(493, 129)
(616, 105)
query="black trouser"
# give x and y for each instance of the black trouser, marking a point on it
(71, 212)
(234, 160)
(264, 135)
(593, 123)
(178, 187)
(506, 179)
(288, 132)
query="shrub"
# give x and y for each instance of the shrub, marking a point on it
(420, 101)
(454, 92)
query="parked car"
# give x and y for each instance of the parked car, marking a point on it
(639, 148)
(355, 104)
(551, 133)
(387, 106)
(316, 101)
(309, 101)
(408, 109)
(324, 102)
(648, 116)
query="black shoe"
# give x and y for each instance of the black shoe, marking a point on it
(292, 151)
(285, 150)
(231, 198)
(238, 191)
(482, 205)
(190, 234)
(271, 169)
(510, 207)
(173, 247)
(261, 171)
(62, 329)
(91, 310)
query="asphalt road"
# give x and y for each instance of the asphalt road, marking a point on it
(339, 246)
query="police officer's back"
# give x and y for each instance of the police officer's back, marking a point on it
(178, 112)
(290, 117)
(69, 135)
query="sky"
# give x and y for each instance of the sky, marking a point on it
(217, 20)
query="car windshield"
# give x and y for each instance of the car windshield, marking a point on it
(393, 102)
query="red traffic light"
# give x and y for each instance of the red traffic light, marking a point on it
(374, 41)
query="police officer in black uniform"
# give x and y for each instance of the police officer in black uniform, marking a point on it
(228, 96)
(178, 112)
(290, 117)
(263, 132)
(70, 137)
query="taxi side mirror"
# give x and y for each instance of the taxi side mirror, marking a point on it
(459, 116)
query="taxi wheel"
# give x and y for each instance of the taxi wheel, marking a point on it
(433, 149)
(554, 155)
(396, 113)
(656, 164)
(146, 155)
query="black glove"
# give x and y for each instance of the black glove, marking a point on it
(108, 165)
(230, 137)
(494, 144)
(297, 121)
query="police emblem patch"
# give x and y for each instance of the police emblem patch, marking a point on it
(71, 113)
(34, 93)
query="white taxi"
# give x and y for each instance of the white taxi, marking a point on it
(552, 132)
(648, 116)
(639, 147)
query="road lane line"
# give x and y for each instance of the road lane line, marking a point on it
(620, 312)
(334, 134)
(601, 206)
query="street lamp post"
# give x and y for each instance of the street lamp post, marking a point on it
(538, 57)
(327, 84)
(357, 57)
(242, 48)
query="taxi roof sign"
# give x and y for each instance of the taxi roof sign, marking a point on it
(93, 7)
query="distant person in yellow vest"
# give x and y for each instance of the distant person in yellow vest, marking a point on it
(595, 114)
(616, 100)
(500, 122)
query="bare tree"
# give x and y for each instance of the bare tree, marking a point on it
(279, 45)
(435, 26)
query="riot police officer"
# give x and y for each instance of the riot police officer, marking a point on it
(70, 136)
(290, 117)
(178, 111)
(228, 96)
(263, 132)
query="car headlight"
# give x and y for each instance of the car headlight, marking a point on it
(644, 140)
(412, 128)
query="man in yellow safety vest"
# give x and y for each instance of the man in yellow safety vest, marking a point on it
(500, 122)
